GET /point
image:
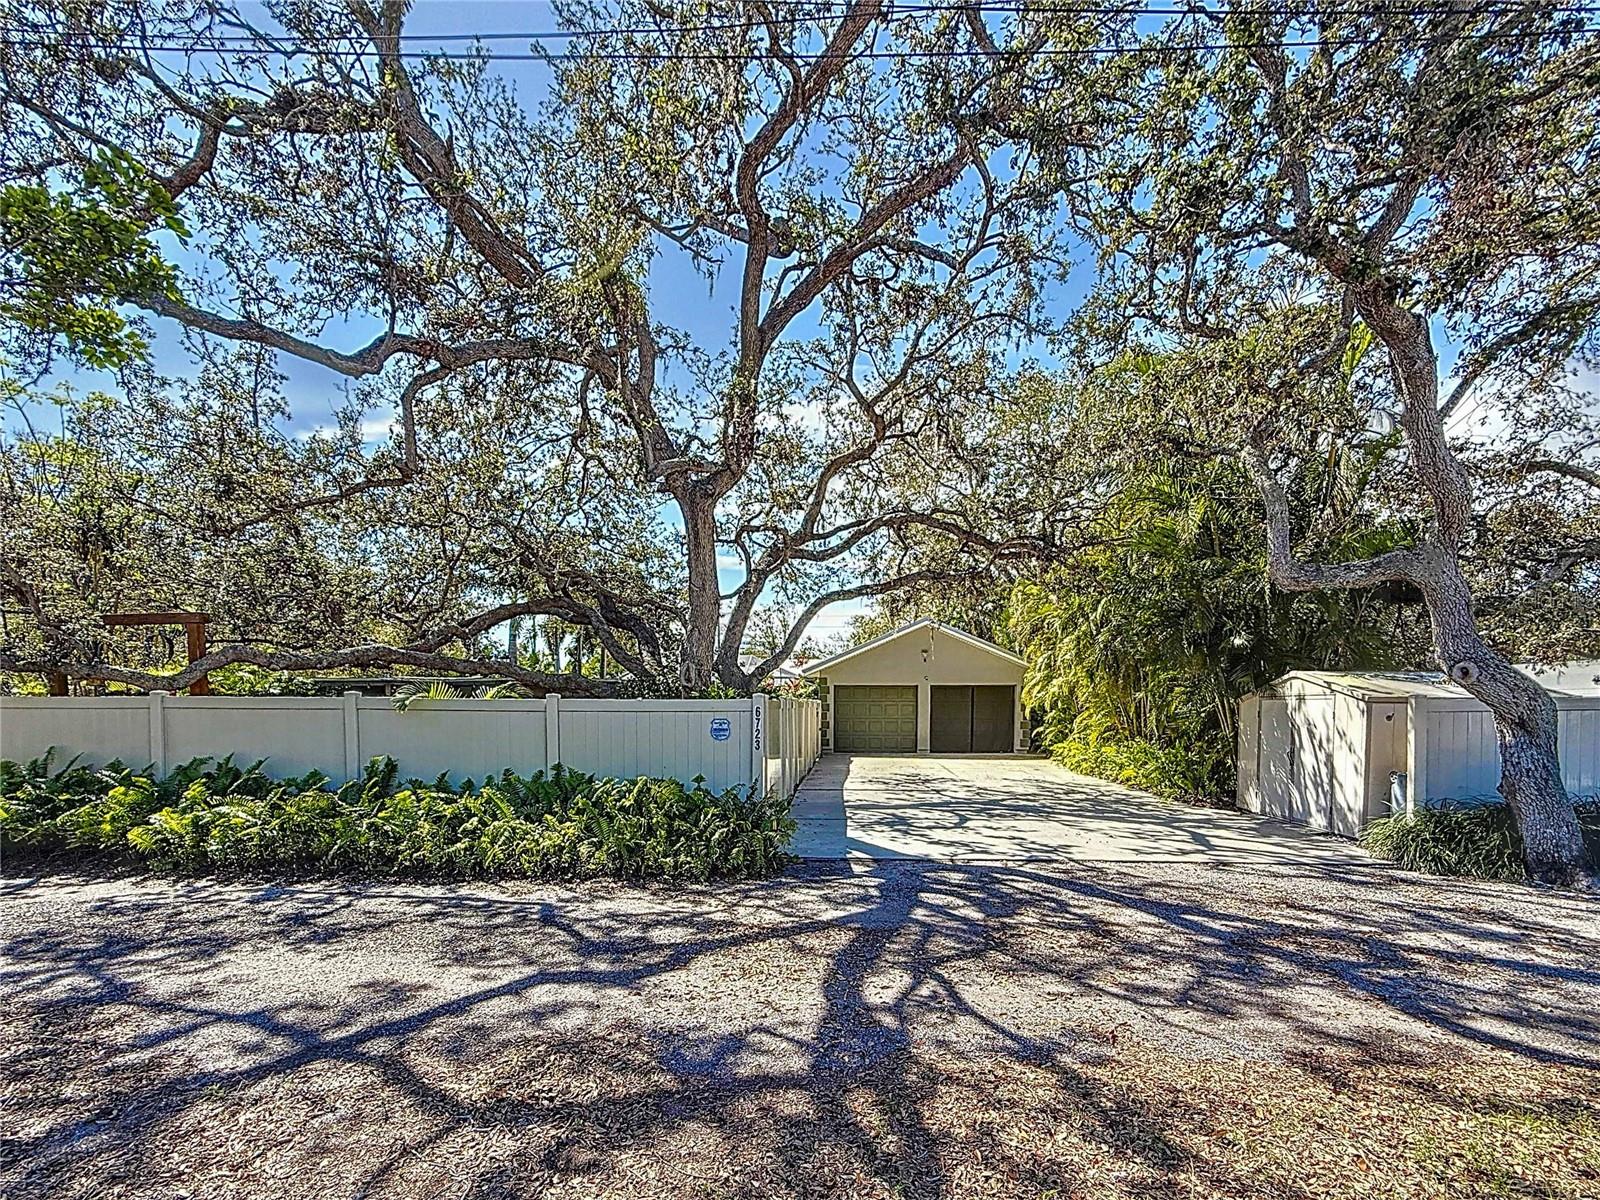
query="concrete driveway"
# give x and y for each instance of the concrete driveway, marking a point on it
(1015, 809)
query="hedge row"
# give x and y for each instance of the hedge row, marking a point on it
(207, 818)
(1481, 841)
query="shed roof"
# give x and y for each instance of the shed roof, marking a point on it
(1571, 679)
(821, 666)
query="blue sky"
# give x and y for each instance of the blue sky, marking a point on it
(313, 393)
(705, 311)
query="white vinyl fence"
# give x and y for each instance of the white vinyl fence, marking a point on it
(726, 742)
(793, 740)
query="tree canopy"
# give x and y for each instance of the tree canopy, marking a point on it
(483, 265)
(723, 313)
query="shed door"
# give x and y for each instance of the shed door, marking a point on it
(976, 720)
(881, 719)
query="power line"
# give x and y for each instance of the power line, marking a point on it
(263, 41)
(895, 10)
(1411, 9)
(301, 50)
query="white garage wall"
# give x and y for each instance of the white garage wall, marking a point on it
(681, 739)
(924, 655)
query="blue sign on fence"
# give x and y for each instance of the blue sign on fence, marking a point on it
(721, 729)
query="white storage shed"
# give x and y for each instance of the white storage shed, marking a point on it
(1320, 747)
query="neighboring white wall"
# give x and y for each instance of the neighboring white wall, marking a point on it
(461, 738)
(1459, 755)
(1462, 756)
(1579, 738)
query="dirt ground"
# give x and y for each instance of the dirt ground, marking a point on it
(869, 1030)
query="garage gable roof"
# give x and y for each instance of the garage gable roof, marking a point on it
(821, 666)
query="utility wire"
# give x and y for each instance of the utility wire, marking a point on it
(218, 42)
(1409, 9)
(301, 50)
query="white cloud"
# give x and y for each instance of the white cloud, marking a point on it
(377, 428)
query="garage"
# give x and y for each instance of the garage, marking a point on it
(876, 720)
(970, 720)
(924, 688)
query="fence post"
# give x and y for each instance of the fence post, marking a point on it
(552, 729)
(158, 734)
(352, 736)
(758, 742)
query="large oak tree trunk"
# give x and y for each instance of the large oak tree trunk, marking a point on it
(1523, 712)
(1525, 721)
(704, 613)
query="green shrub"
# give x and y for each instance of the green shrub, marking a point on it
(1481, 841)
(221, 818)
(1196, 768)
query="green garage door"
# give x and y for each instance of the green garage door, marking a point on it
(882, 719)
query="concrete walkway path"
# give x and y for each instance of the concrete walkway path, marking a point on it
(1016, 809)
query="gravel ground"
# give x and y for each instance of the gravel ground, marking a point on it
(897, 1029)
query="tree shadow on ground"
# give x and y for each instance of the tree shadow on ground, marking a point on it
(899, 1030)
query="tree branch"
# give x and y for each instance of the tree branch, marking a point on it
(766, 666)
(373, 655)
(1294, 574)
(1578, 471)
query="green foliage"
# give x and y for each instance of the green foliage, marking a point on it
(1480, 841)
(69, 258)
(412, 693)
(245, 679)
(1190, 770)
(1139, 646)
(218, 818)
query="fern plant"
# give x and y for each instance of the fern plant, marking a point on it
(210, 818)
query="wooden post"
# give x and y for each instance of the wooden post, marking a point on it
(195, 633)
(194, 628)
(57, 682)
